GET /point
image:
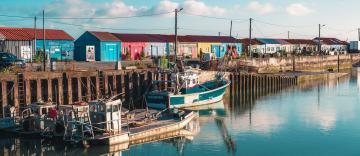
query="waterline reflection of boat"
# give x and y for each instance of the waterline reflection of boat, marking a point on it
(214, 109)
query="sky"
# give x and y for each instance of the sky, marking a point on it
(272, 18)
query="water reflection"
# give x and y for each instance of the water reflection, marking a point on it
(313, 117)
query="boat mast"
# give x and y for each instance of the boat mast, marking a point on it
(176, 48)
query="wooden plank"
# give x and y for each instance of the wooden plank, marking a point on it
(61, 91)
(16, 94)
(97, 85)
(69, 84)
(38, 90)
(122, 77)
(4, 96)
(49, 88)
(79, 88)
(27, 92)
(88, 88)
(106, 84)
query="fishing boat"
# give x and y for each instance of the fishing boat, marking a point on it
(73, 123)
(9, 118)
(37, 118)
(186, 91)
(106, 116)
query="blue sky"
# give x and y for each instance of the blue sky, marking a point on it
(273, 18)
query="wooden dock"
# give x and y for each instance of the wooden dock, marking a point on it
(64, 88)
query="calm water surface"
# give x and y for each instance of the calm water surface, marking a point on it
(313, 119)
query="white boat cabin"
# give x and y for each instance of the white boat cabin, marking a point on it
(75, 112)
(106, 115)
(187, 79)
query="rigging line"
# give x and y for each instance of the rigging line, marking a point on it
(279, 25)
(198, 30)
(257, 28)
(134, 16)
(85, 26)
(213, 17)
(342, 33)
(299, 34)
(15, 16)
(202, 30)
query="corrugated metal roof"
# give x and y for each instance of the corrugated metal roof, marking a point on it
(171, 38)
(142, 37)
(300, 41)
(330, 41)
(104, 36)
(281, 41)
(267, 41)
(28, 34)
(272, 41)
(246, 41)
(213, 39)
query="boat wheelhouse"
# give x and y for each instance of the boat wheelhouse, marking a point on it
(106, 121)
(74, 122)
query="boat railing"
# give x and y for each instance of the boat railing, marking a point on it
(109, 129)
(79, 123)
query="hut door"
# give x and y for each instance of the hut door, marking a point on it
(216, 50)
(111, 54)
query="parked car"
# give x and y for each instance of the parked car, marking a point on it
(8, 60)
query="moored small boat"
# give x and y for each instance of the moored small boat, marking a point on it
(190, 93)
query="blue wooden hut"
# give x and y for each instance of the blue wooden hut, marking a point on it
(97, 46)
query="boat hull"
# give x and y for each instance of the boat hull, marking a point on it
(166, 100)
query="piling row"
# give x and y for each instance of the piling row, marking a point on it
(245, 87)
(66, 88)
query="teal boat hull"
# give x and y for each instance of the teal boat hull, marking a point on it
(190, 98)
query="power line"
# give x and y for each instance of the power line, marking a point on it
(279, 25)
(108, 28)
(15, 16)
(213, 17)
(118, 17)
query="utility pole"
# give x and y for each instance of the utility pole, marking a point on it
(359, 33)
(34, 48)
(250, 35)
(219, 33)
(288, 34)
(319, 40)
(176, 27)
(230, 27)
(44, 46)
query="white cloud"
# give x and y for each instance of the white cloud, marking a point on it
(200, 8)
(166, 6)
(297, 9)
(260, 8)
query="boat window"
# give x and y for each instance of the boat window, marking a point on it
(108, 109)
(86, 119)
(102, 108)
(43, 111)
(115, 108)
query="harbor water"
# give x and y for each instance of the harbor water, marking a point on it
(316, 118)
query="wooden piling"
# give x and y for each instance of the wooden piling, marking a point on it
(4, 93)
